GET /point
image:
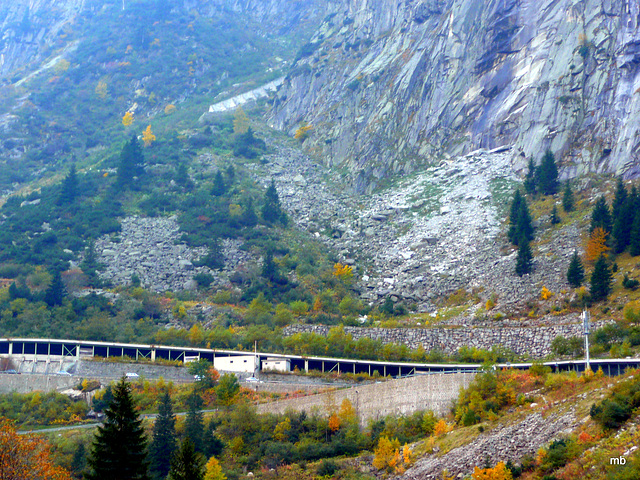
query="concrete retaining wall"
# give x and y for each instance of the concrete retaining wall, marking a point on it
(33, 382)
(374, 401)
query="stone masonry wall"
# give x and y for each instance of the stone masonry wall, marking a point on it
(532, 341)
(400, 397)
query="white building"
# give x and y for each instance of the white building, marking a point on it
(238, 363)
(277, 363)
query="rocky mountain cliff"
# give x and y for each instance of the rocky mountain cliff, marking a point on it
(390, 86)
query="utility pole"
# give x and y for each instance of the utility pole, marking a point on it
(585, 320)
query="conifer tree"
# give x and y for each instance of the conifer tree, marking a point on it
(218, 185)
(575, 273)
(600, 279)
(187, 464)
(69, 190)
(547, 174)
(249, 217)
(271, 210)
(163, 444)
(568, 201)
(530, 178)
(524, 261)
(56, 291)
(622, 218)
(212, 445)
(230, 173)
(520, 220)
(555, 219)
(601, 216)
(194, 424)
(131, 163)
(119, 447)
(635, 235)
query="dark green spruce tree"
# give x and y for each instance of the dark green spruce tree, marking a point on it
(187, 464)
(600, 279)
(568, 201)
(131, 163)
(56, 292)
(547, 175)
(271, 209)
(119, 448)
(524, 261)
(530, 178)
(601, 216)
(520, 220)
(634, 241)
(575, 272)
(212, 445)
(163, 443)
(622, 218)
(194, 423)
(219, 187)
(69, 189)
(248, 217)
(555, 218)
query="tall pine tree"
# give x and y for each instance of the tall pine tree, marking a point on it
(568, 201)
(524, 261)
(520, 219)
(194, 424)
(56, 291)
(271, 210)
(119, 446)
(575, 272)
(186, 464)
(69, 190)
(547, 174)
(601, 216)
(131, 163)
(635, 235)
(163, 443)
(622, 218)
(530, 178)
(600, 280)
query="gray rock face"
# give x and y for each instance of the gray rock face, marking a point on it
(393, 84)
(148, 247)
(523, 340)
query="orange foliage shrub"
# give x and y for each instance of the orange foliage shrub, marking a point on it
(26, 457)
(597, 244)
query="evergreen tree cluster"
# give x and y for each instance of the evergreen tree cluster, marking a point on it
(521, 233)
(120, 448)
(543, 178)
(621, 221)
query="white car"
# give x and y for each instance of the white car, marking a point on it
(251, 380)
(132, 375)
(62, 373)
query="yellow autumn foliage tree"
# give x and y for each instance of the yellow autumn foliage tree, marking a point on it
(214, 470)
(240, 122)
(441, 428)
(597, 244)
(545, 293)
(148, 137)
(334, 423)
(303, 132)
(26, 457)
(169, 109)
(384, 455)
(347, 413)
(343, 272)
(127, 119)
(499, 472)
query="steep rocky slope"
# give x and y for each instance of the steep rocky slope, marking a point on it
(388, 86)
